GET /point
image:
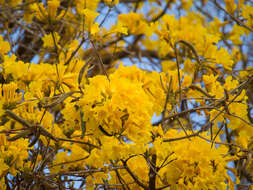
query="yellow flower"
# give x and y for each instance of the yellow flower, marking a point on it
(209, 81)
(187, 81)
(230, 84)
(137, 25)
(12, 154)
(168, 66)
(50, 40)
(108, 108)
(9, 95)
(4, 167)
(87, 4)
(4, 46)
(90, 16)
(61, 157)
(40, 10)
(191, 157)
(52, 7)
(247, 13)
(94, 28)
(119, 29)
(230, 6)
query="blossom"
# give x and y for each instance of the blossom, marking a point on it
(50, 40)
(4, 46)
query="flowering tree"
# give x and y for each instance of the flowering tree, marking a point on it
(72, 116)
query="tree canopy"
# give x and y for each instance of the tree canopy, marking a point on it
(126, 94)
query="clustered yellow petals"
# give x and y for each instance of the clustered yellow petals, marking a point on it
(12, 155)
(92, 116)
(188, 159)
(109, 109)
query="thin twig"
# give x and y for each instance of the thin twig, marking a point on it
(100, 60)
(79, 142)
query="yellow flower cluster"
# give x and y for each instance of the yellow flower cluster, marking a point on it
(187, 164)
(194, 164)
(87, 121)
(13, 155)
(190, 28)
(117, 107)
